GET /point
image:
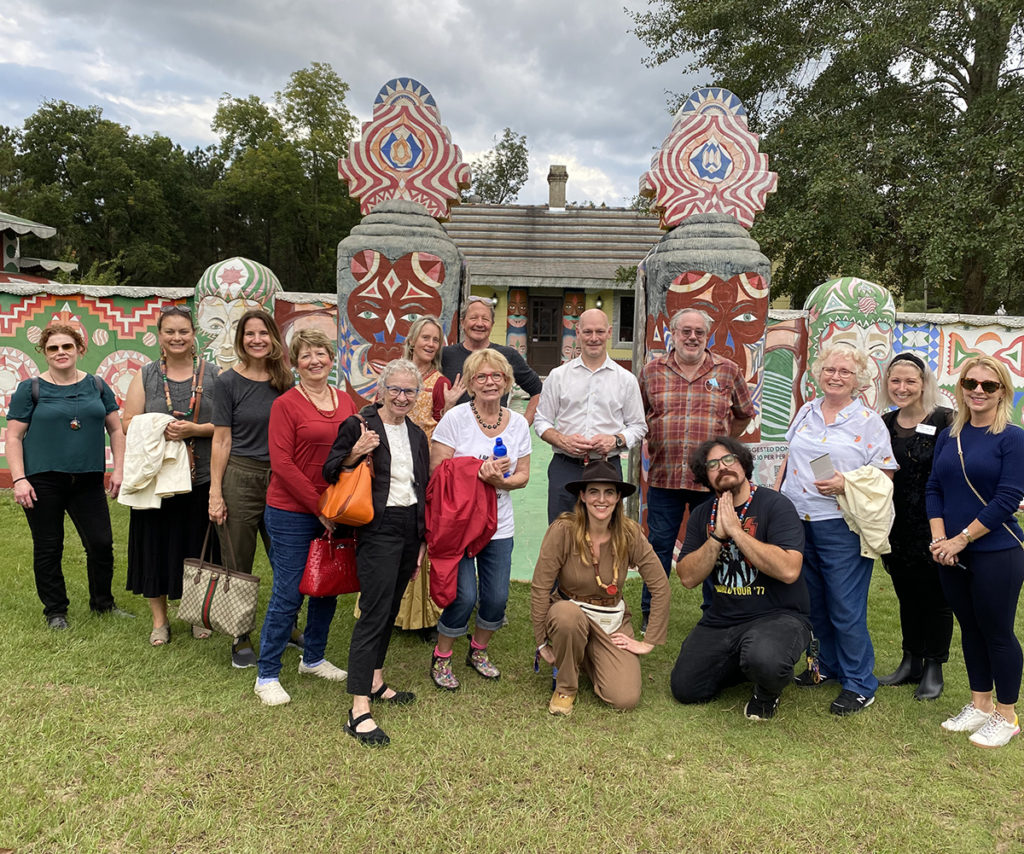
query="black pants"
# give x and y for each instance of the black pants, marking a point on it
(385, 561)
(562, 470)
(926, 619)
(762, 651)
(83, 498)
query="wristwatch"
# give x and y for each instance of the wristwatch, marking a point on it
(620, 443)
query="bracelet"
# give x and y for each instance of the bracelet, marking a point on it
(937, 540)
(718, 539)
(23, 477)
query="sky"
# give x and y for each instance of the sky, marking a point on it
(567, 74)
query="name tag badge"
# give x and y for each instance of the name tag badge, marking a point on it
(926, 429)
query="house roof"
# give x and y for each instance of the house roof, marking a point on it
(10, 222)
(538, 246)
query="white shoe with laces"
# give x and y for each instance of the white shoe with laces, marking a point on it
(969, 719)
(996, 732)
(325, 670)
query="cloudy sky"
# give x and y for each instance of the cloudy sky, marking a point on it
(566, 73)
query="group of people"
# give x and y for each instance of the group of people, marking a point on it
(784, 572)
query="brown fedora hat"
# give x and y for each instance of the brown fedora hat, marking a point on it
(600, 471)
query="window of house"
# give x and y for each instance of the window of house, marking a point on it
(623, 322)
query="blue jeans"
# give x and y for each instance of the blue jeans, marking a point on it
(290, 535)
(493, 565)
(665, 511)
(837, 580)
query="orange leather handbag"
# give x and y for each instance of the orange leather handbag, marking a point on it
(350, 500)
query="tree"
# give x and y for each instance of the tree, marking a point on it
(500, 174)
(897, 129)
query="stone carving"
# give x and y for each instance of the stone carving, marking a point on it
(405, 152)
(572, 308)
(226, 291)
(515, 337)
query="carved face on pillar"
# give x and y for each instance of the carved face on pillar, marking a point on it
(857, 312)
(738, 308)
(571, 311)
(517, 307)
(387, 298)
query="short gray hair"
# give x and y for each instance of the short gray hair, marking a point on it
(674, 321)
(847, 351)
(399, 366)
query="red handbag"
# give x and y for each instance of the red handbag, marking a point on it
(330, 567)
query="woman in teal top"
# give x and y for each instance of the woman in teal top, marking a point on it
(56, 454)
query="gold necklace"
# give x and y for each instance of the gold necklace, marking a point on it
(613, 588)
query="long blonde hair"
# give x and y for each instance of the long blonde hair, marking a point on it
(624, 532)
(1004, 411)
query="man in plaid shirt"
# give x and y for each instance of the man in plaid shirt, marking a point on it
(690, 395)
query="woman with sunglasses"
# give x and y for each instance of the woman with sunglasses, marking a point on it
(925, 618)
(975, 489)
(179, 384)
(389, 547)
(56, 456)
(472, 430)
(838, 575)
(240, 463)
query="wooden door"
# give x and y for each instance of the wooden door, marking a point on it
(545, 334)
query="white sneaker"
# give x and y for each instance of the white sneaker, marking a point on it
(996, 732)
(272, 694)
(970, 719)
(325, 670)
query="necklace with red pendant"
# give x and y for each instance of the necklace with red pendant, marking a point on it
(334, 401)
(741, 514)
(611, 589)
(167, 389)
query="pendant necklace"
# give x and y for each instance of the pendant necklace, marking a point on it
(484, 424)
(334, 400)
(613, 588)
(74, 423)
(167, 389)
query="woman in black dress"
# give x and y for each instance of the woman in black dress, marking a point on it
(925, 618)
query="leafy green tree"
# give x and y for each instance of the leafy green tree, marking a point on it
(500, 174)
(896, 127)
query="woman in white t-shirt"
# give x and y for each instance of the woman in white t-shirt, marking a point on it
(471, 430)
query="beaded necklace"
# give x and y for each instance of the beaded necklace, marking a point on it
(741, 513)
(167, 389)
(334, 401)
(484, 424)
(610, 589)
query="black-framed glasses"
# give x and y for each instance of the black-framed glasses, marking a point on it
(987, 386)
(724, 460)
(398, 391)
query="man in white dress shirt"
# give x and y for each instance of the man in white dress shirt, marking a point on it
(590, 407)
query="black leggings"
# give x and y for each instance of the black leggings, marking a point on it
(984, 599)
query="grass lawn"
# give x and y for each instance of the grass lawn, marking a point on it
(110, 745)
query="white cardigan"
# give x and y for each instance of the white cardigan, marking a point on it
(154, 467)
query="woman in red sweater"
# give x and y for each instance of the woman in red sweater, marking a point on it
(303, 424)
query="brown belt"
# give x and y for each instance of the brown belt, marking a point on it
(605, 601)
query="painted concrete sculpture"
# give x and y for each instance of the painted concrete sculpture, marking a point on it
(399, 262)
(405, 153)
(515, 337)
(226, 291)
(572, 308)
(709, 163)
(854, 311)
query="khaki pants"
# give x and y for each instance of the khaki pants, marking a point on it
(578, 643)
(245, 495)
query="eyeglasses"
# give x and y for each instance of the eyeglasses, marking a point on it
(494, 378)
(59, 348)
(484, 300)
(687, 332)
(843, 373)
(397, 391)
(987, 386)
(725, 460)
(180, 309)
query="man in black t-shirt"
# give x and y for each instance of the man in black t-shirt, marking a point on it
(749, 541)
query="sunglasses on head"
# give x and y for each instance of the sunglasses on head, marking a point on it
(181, 309)
(987, 386)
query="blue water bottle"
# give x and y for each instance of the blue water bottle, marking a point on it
(500, 451)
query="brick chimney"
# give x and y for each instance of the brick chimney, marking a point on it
(557, 178)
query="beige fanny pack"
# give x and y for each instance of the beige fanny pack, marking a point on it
(608, 618)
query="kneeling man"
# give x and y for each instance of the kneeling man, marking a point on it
(749, 540)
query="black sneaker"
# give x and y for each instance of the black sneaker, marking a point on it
(808, 679)
(242, 653)
(849, 703)
(643, 624)
(760, 708)
(58, 622)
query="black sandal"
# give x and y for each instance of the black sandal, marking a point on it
(401, 698)
(374, 738)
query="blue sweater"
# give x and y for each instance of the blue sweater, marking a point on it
(995, 465)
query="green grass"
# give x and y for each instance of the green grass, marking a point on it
(110, 745)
